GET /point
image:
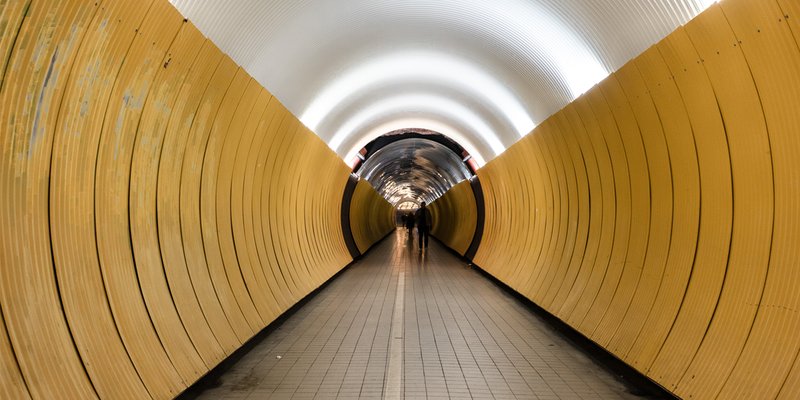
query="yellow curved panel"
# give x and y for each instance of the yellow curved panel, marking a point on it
(198, 205)
(181, 239)
(773, 59)
(120, 238)
(676, 178)
(716, 213)
(609, 129)
(152, 229)
(685, 208)
(371, 216)
(568, 199)
(753, 203)
(161, 207)
(73, 172)
(140, 241)
(557, 293)
(261, 236)
(35, 81)
(455, 216)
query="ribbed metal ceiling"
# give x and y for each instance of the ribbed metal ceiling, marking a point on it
(413, 170)
(482, 72)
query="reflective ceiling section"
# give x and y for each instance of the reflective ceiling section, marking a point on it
(482, 72)
(413, 170)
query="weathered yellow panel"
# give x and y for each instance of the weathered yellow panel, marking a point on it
(12, 386)
(270, 192)
(548, 219)
(230, 195)
(180, 238)
(199, 179)
(261, 236)
(455, 216)
(131, 165)
(288, 217)
(34, 83)
(633, 83)
(217, 235)
(75, 150)
(692, 145)
(279, 211)
(166, 156)
(12, 15)
(371, 216)
(142, 278)
(150, 225)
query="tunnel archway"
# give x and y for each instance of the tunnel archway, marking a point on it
(413, 165)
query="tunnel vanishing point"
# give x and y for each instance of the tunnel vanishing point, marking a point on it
(159, 206)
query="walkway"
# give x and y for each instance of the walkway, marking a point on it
(448, 333)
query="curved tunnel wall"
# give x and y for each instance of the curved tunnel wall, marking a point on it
(658, 213)
(455, 217)
(371, 216)
(157, 206)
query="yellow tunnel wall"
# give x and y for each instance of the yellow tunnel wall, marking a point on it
(455, 217)
(371, 216)
(158, 207)
(659, 214)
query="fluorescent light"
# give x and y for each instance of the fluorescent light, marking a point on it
(416, 103)
(420, 66)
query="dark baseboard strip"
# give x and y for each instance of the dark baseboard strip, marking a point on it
(637, 383)
(372, 246)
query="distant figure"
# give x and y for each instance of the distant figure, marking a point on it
(423, 219)
(409, 220)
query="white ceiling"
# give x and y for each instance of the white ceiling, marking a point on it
(481, 71)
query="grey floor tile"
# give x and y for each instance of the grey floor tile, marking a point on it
(462, 337)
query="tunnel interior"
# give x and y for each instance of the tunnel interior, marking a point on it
(173, 176)
(409, 167)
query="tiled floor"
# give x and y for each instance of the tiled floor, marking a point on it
(450, 333)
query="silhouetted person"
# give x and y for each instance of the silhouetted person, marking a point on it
(423, 220)
(410, 223)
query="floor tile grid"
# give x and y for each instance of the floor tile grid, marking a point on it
(422, 278)
(542, 344)
(414, 385)
(357, 341)
(440, 374)
(251, 370)
(337, 316)
(495, 367)
(332, 358)
(470, 380)
(374, 343)
(463, 338)
(338, 321)
(523, 377)
(558, 353)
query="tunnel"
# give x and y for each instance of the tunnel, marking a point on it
(180, 177)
